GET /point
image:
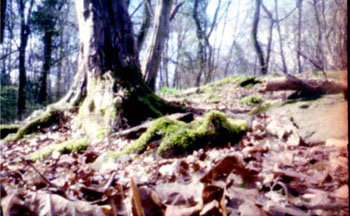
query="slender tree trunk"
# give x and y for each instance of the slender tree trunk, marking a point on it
(43, 92)
(270, 36)
(24, 35)
(146, 23)
(2, 19)
(165, 62)
(59, 68)
(256, 44)
(300, 13)
(284, 65)
(201, 43)
(156, 44)
(319, 50)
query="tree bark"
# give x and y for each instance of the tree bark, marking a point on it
(201, 43)
(156, 44)
(146, 23)
(284, 64)
(2, 19)
(24, 35)
(256, 43)
(300, 13)
(310, 86)
(43, 94)
(109, 82)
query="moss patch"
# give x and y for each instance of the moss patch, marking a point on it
(48, 118)
(252, 100)
(178, 138)
(243, 81)
(64, 147)
(262, 108)
(7, 129)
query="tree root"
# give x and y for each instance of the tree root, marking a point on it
(48, 118)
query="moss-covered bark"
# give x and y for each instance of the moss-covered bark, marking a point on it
(64, 147)
(48, 118)
(252, 100)
(8, 129)
(178, 138)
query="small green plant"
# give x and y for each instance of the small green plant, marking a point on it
(168, 91)
(260, 109)
(213, 98)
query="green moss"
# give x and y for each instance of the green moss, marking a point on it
(168, 91)
(7, 129)
(252, 100)
(262, 108)
(160, 128)
(213, 98)
(243, 81)
(64, 148)
(48, 118)
(213, 130)
(178, 138)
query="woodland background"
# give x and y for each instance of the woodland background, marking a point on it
(40, 39)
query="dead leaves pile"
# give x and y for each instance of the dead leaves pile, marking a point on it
(270, 172)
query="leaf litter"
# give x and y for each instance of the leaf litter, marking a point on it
(271, 171)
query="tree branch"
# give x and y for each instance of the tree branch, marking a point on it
(175, 10)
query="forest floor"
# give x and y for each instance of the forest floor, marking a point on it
(292, 161)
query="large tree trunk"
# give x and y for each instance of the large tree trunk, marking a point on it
(256, 44)
(156, 44)
(109, 82)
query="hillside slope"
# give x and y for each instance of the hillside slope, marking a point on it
(291, 161)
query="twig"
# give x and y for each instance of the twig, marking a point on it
(37, 171)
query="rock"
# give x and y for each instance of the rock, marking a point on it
(325, 118)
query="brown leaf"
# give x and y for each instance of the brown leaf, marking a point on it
(14, 205)
(136, 200)
(212, 208)
(183, 210)
(227, 165)
(150, 202)
(212, 192)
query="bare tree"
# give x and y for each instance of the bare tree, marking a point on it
(24, 35)
(155, 47)
(256, 43)
(205, 51)
(2, 19)
(146, 23)
(300, 14)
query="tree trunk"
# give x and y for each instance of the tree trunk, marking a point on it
(256, 44)
(146, 23)
(156, 44)
(43, 92)
(201, 43)
(270, 36)
(2, 19)
(300, 13)
(284, 65)
(109, 82)
(319, 51)
(24, 35)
